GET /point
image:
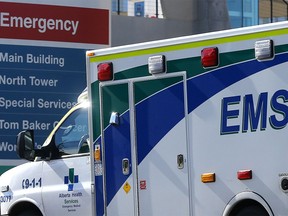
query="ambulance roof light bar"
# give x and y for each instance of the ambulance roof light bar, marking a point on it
(264, 50)
(157, 64)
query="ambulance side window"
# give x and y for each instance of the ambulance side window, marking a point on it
(71, 137)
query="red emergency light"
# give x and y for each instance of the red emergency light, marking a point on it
(105, 71)
(210, 57)
(244, 174)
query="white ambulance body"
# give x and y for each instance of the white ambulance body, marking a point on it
(187, 126)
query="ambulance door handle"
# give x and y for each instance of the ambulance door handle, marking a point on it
(180, 161)
(125, 166)
(114, 118)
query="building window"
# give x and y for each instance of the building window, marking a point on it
(243, 12)
(120, 7)
(272, 11)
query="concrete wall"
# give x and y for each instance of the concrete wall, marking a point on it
(182, 17)
(129, 30)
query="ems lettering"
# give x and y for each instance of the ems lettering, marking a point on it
(250, 112)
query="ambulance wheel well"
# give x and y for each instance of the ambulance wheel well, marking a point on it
(25, 208)
(248, 207)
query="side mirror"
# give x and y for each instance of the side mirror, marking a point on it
(25, 145)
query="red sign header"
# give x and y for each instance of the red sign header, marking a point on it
(54, 23)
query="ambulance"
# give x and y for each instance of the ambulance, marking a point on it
(189, 126)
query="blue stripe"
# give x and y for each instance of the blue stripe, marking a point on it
(117, 147)
(203, 87)
(165, 110)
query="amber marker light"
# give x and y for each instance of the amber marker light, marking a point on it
(208, 177)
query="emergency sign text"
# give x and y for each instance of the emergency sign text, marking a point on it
(42, 25)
